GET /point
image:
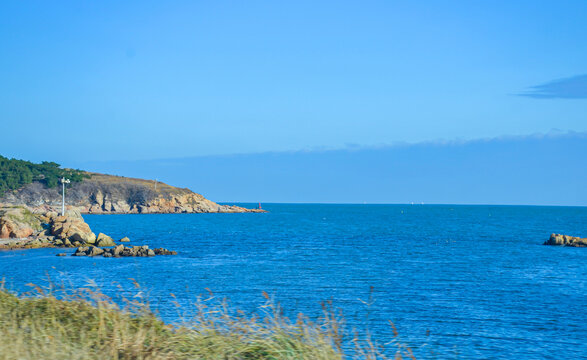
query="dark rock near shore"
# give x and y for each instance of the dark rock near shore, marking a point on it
(565, 240)
(122, 251)
(162, 251)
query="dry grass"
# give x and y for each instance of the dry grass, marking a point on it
(86, 324)
(114, 180)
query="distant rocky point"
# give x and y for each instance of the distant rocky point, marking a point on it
(565, 240)
(108, 194)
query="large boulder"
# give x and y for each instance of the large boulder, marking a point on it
(565, 240)
(18, 222)
(73, 227)
(117, 250)
(104, 240)
(95, 251)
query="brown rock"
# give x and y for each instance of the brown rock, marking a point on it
(81, 251)
(565, 240)
(72, 227)
(104, 240)
(118, 250)
(18, 222)
(95, 251)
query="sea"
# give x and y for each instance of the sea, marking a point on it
(457, 282)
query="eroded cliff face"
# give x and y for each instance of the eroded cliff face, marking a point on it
(106, 194)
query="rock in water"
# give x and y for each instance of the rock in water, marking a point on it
(104, 240)
(125, 239)
(95, 251)
(565, 240)
(162, 251)
(81, 251)
(117, 250)
(122, 251)
(72, 227)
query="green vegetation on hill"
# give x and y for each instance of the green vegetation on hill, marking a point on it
(15, 174)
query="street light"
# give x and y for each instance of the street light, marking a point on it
(63, 182)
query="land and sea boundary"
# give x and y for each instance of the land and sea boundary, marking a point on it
(33, 213)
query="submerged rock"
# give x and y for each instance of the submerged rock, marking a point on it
(565, 240)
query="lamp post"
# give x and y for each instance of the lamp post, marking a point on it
(63, 182)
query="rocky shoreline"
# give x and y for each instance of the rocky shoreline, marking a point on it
(25, 228)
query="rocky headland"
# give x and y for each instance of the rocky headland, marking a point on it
(566, 240)
(108, 194)
(31, 199)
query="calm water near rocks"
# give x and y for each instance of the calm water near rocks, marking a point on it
(476, 278)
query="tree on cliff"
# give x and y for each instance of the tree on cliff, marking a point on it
(15, 174)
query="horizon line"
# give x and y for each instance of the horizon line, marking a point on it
(375, 203)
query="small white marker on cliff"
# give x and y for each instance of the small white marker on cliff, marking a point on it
(63, 182)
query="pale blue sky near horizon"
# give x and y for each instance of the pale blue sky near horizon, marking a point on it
(511, 170)
(95, 82)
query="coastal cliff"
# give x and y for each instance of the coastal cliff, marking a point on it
(108, 194)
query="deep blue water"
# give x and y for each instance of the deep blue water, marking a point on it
(475, 277)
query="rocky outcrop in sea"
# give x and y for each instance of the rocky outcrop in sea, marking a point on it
(122, 251)
(565, 240)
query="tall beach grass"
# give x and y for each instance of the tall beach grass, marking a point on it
(55, 323)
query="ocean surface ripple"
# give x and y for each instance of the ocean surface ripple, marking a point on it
(457, 281)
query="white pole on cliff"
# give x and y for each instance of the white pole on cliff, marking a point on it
(63, 182)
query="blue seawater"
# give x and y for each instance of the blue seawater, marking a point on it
(467, 282)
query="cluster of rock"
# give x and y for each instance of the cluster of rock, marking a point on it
(565, 240)
(21, 228)
(107, 194)
(122, 251)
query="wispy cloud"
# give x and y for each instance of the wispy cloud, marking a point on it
(574, 87)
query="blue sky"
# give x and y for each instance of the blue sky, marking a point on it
(520, 170)
(88, 82)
